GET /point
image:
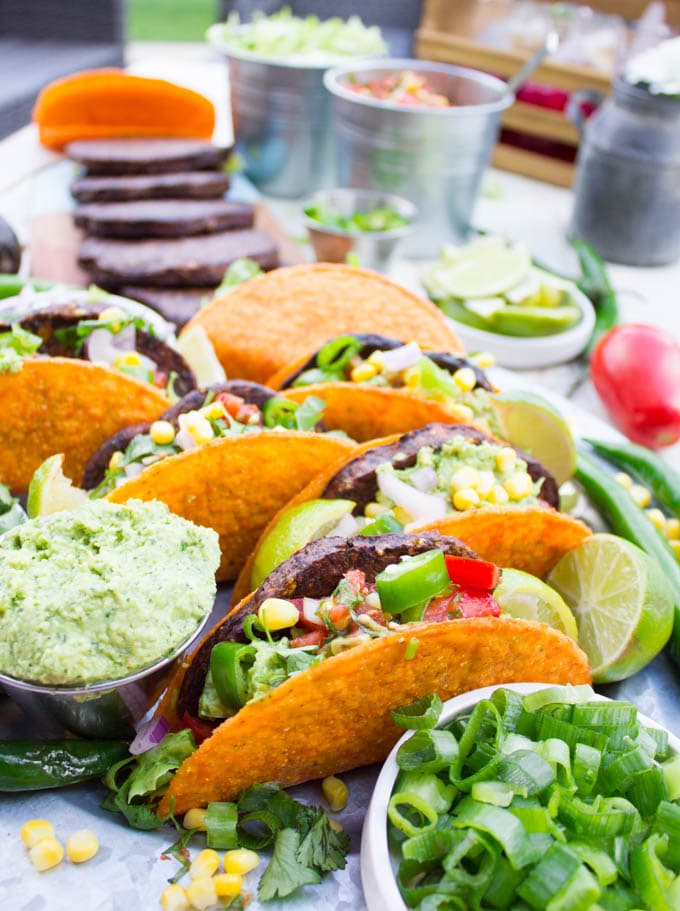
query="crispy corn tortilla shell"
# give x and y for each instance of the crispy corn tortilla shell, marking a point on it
(236, 484)
(65, 405)
(335, 716)
(367, 412)
(268, 321)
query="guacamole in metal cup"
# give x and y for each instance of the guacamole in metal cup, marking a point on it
(99, 592)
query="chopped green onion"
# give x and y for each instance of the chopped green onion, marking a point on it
(429, 788)
(650, 877)
(671, 772)
(606, 817)
(497, 793)
(647, 791)
(586, 767)
(526, 772)
(562, 695)
(505, 828)
(598, 860)
(411, 649)
(558, 877)
(421, 815)
(221, 819)
(429, 751)
(423, 713)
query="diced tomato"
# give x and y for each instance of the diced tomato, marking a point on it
(443, 608)
(314, 638)
(160, 379)
(477, 603)
(246, 412)
(201, 729)
(472, 573)
(231, 402)
(357, 580)
(338, 614)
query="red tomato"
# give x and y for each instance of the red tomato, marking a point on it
(315, 638)
(636, 371)
(441, 609)
(477, 603)
(201, 729)
(470, 573)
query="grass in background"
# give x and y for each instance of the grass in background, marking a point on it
(170, 20)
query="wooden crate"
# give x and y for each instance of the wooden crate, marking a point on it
(446, 34)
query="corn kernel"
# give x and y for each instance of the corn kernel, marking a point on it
(202, 893)
(214, 411)
(116, 460)
(376, 358)
(640, 495)
(519, 486)
(174, 898)
(485, 483)
(335, 825)
(162, 432)
(466, 498)
(81, 846)
(505, 459)
(657, 518)
(197, 427)
(35, 830)
(228, 885)
(402, 515)
(277, 613)
(112, 315)
(412, 378)
(240, 861)
(673, 529)
(47, 853)
(624, 479)
(465, 477)
(675, 547)
(373, 510)
(336, 793)
(363, 372)
(204, 864)
(461, 413)
(195, 819)
(483, 359)
(465, 378)
(498, 495)
(127, 359)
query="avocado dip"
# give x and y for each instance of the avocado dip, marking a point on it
(99, 592)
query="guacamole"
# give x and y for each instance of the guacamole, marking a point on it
(102, 591)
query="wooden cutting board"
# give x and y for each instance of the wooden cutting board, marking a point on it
(54, 242)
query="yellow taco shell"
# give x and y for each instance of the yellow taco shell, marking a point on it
(336, 715)
(268, 321)
(236, 484)
(66, 405)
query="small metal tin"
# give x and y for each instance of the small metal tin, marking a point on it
(374, 249)
(103, 710)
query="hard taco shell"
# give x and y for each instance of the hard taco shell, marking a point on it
(271, 320)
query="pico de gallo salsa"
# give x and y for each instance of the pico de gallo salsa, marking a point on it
(406, 87)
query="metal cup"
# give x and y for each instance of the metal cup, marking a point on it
(434, 157)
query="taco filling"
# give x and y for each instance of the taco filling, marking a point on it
(430, 587)
(378, 361)
(195, 420)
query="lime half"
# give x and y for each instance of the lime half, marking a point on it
(197, 350)
(622, 602)
(487, 274)
(524, 596)
(531, 423)
(297, 526)
(51, 491)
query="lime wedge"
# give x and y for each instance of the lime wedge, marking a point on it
(488, 274)
(524, 596)
(485, 245)
(297, 526)
(51, 491)
(197, 350)
(622, 602)
(531, 321)
(531, 423)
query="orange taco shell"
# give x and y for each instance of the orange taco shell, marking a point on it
(65, 405)
(236, 484)
(265, 323)
(335, 716)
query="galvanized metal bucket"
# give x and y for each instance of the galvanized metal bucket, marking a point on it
(433, 156)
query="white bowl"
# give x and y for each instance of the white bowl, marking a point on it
(377, 863)
(529, 353)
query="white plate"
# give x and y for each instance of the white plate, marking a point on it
(528, 353)
(377, 862)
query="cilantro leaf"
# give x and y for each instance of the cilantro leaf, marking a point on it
(285, 872)
(272, 798)
(322, 847)
(138, 815)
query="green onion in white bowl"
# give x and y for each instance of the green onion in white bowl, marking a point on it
(526, 797)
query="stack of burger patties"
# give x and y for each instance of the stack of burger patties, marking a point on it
(158, 226)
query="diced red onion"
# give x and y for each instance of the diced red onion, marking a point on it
(346, 527)
(103, 346)
(185, 440)
(401, 358)
(133, 470)
(149, 735)
(310, 607)
(424, 479)
(422, 507)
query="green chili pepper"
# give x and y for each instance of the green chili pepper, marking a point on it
(33, 765)
(627, 520)
(336, 354)
(228, 664)
(647, 467)
(11, 285)
(383, 525)
(595, 284)
(406, 587)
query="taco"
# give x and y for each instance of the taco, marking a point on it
(453, 479)
(375, 386)
(265, 323)
(227, 457)
(74, 368)
(298, 681)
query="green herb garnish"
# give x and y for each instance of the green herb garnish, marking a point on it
(15, 345)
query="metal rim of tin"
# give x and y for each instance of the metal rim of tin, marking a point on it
(333, 80)
(400, 204)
